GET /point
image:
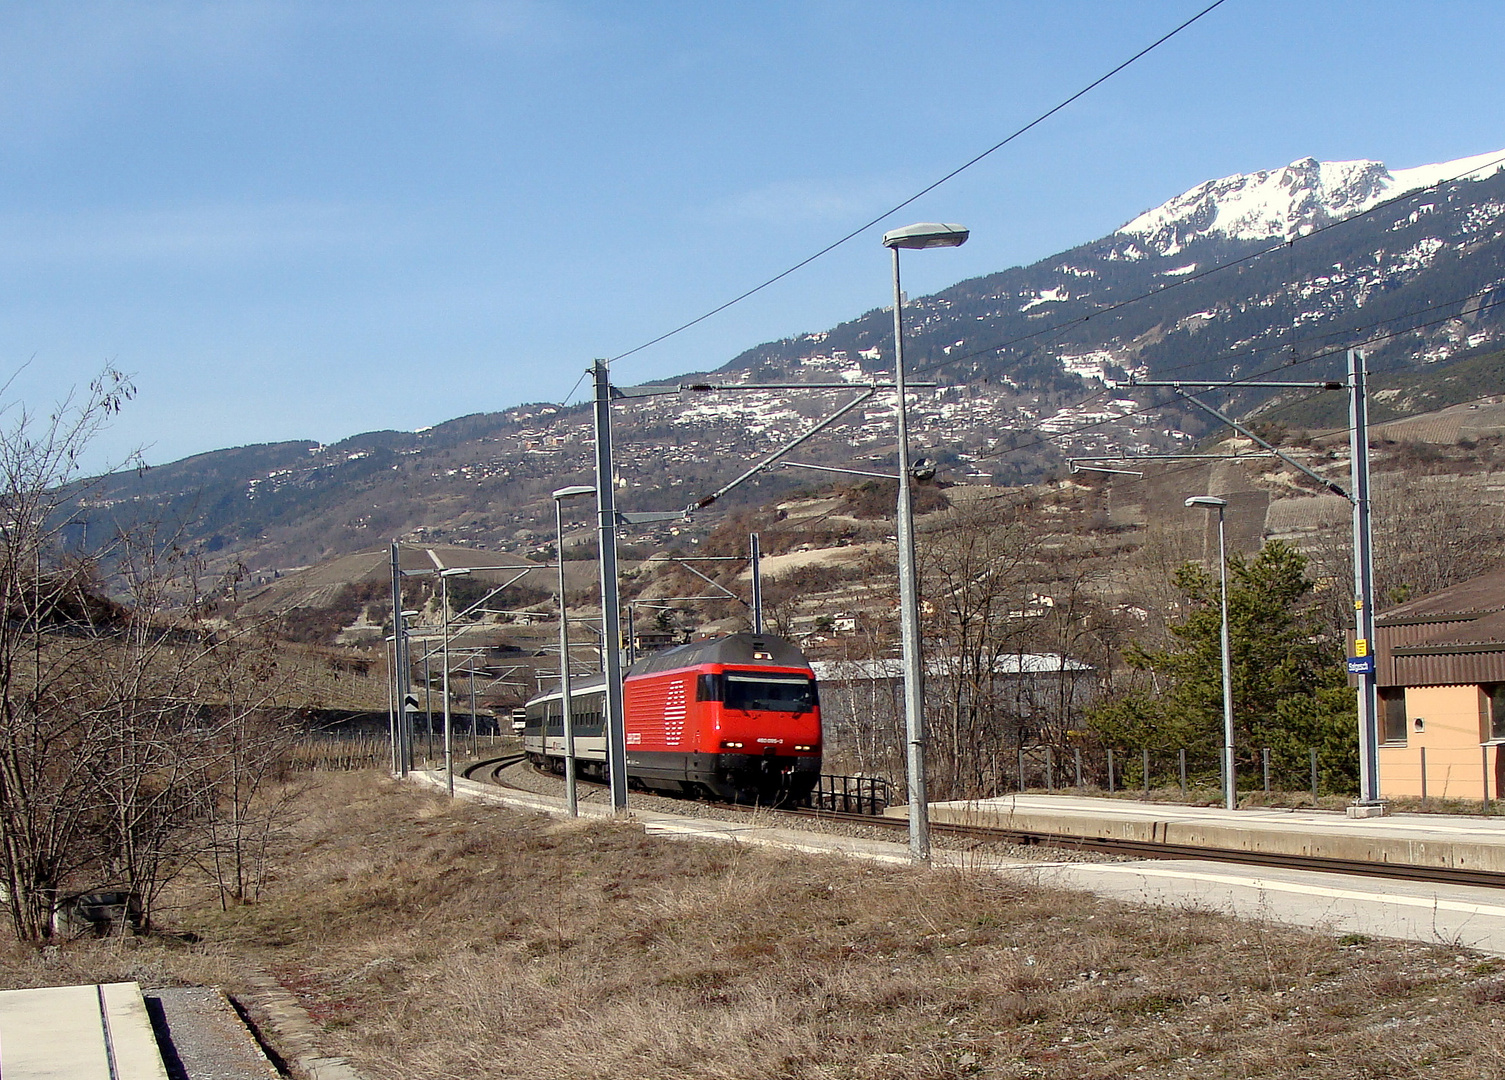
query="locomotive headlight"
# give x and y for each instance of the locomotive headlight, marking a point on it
(798, 747)
(731, 745)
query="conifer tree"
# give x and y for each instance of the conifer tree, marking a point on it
(1290, 692)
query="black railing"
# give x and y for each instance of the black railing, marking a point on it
(852, 794)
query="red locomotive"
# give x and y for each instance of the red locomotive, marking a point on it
(735, 717)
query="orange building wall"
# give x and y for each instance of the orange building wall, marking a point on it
(1451, 735)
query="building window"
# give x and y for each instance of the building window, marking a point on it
(1393, 714)
(1493, 695)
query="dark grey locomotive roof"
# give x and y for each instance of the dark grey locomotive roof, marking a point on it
(749, 649)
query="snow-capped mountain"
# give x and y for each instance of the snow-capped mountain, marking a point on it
(1031, 364)
(1292, 201)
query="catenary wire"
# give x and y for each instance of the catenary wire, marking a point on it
(1250, 379)
(1326, 352)
(922, 192)
(1164, 287)
(566, 399)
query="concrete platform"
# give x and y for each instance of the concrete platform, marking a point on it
(1430, 840)
(78, 1033)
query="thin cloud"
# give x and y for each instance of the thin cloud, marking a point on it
(800, 202)
(201, 234)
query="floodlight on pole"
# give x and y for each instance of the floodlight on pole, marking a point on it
(1230, 781)
(923, 235)
(449, 752)
(571, 801)
(926, 234)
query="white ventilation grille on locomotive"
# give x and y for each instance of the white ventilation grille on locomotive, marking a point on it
(674, 715)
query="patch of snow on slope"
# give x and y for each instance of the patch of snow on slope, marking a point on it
(1093, 365)
(1047, 296)
(837, 364)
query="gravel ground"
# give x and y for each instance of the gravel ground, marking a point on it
(525, 778)
(202, 1038)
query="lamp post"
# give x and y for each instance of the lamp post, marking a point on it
(449, 728)
(1230, 783)
(924, 235)
(566, 706)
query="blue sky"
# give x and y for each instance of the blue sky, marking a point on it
(307, 220)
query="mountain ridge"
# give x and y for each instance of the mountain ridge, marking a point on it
(1032, 362)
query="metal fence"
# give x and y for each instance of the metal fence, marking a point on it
(1118, 769)
(852, 794)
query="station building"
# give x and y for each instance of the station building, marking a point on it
(1440, 667)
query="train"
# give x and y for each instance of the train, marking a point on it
(735, 718)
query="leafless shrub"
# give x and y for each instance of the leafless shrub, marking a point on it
(124, 726)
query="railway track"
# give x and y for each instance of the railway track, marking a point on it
(489, 771)
(1143, 849)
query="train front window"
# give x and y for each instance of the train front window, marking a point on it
(769, 693)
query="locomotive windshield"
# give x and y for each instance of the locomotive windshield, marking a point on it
(759, 692)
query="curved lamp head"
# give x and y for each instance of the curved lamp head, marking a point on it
(572, 492)
(927, 234)
(1207, 502)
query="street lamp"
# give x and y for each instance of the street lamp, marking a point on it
(924, 235)
(566, 706)
(449, 754)
(1230, 783)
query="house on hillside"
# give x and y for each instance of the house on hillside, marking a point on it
(1440, 666)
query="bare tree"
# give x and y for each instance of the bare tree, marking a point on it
(121, 734)
(51, 758)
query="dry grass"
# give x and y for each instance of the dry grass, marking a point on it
(438, 941)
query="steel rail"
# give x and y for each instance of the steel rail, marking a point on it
(496, 765)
